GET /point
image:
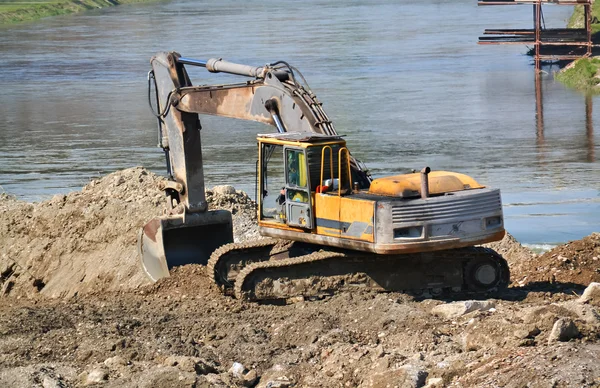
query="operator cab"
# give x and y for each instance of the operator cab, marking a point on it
(293, 167)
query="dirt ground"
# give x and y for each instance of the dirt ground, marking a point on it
(76, 310)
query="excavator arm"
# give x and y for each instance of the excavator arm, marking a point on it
(273, 95)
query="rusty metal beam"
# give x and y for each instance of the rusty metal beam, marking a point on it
(521, 2)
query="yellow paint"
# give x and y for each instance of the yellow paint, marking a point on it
(347, 210)
(327, 206)
(358, 210)
(302, 171)
(279, 225)
(272, 140)
(344, 213)
(409, 185)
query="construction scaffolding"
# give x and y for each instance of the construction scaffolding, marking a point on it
(549, 44)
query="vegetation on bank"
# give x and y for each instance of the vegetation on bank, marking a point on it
(16, 11)
(581, 74)
(577, 21)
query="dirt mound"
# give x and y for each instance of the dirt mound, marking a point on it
(86, 241)
(576, 262)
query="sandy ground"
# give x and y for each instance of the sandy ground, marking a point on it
(76, 310)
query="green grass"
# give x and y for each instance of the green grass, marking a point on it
(576, 19)
(582, 75)
(16, 11)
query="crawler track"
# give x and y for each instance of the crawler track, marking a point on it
(226, 262)
(277, 276)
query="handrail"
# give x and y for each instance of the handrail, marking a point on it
(340, 152)
(323, 163)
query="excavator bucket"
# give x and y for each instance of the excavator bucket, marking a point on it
(169, 241)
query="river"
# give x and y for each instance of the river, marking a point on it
(405, 81)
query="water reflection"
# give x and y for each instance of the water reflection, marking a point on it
(589, 128)
(539, 121)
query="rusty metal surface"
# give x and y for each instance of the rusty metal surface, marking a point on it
(275, 96)
(183, 132)
(379, 248)
(169, 241)
(548, 44)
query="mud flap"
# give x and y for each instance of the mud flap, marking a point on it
(169, 241)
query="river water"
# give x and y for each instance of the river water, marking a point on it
(404, 80)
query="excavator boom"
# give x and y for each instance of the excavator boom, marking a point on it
(272, 95)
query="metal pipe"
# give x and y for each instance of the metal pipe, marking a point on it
(217, 65)
(425, 182)
(271, 106)
(278, 123)
(191, 61)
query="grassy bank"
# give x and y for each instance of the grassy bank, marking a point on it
(583, 74)
(17, 11)
(577, 21)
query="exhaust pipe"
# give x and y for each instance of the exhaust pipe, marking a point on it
(425, 182)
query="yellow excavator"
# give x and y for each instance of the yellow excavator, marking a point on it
(328, 226)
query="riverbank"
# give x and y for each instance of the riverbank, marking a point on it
(14, 11)
(582, 74)
(76, 310)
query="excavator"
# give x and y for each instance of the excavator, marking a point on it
(328, 226)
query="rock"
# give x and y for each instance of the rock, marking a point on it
(238, 371)
(527, 332)
(457, 309)
(50, 382)
(584, 311)
(591, 295)
(378, 352)
(250, 378)
(96, 376)
(276, 377)
(115, 362)
(563, 330)
(415, 376)
(282, 382)
(223, 190)
(435, 382)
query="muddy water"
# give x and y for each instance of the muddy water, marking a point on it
(405, 81)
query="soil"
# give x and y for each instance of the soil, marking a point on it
(76, 310)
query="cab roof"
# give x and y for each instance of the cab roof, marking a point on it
(305, 137)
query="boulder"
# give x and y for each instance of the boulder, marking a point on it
(564, 329)
(591, 295)
(457, 309)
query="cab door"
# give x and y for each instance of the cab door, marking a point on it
(297, 189)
